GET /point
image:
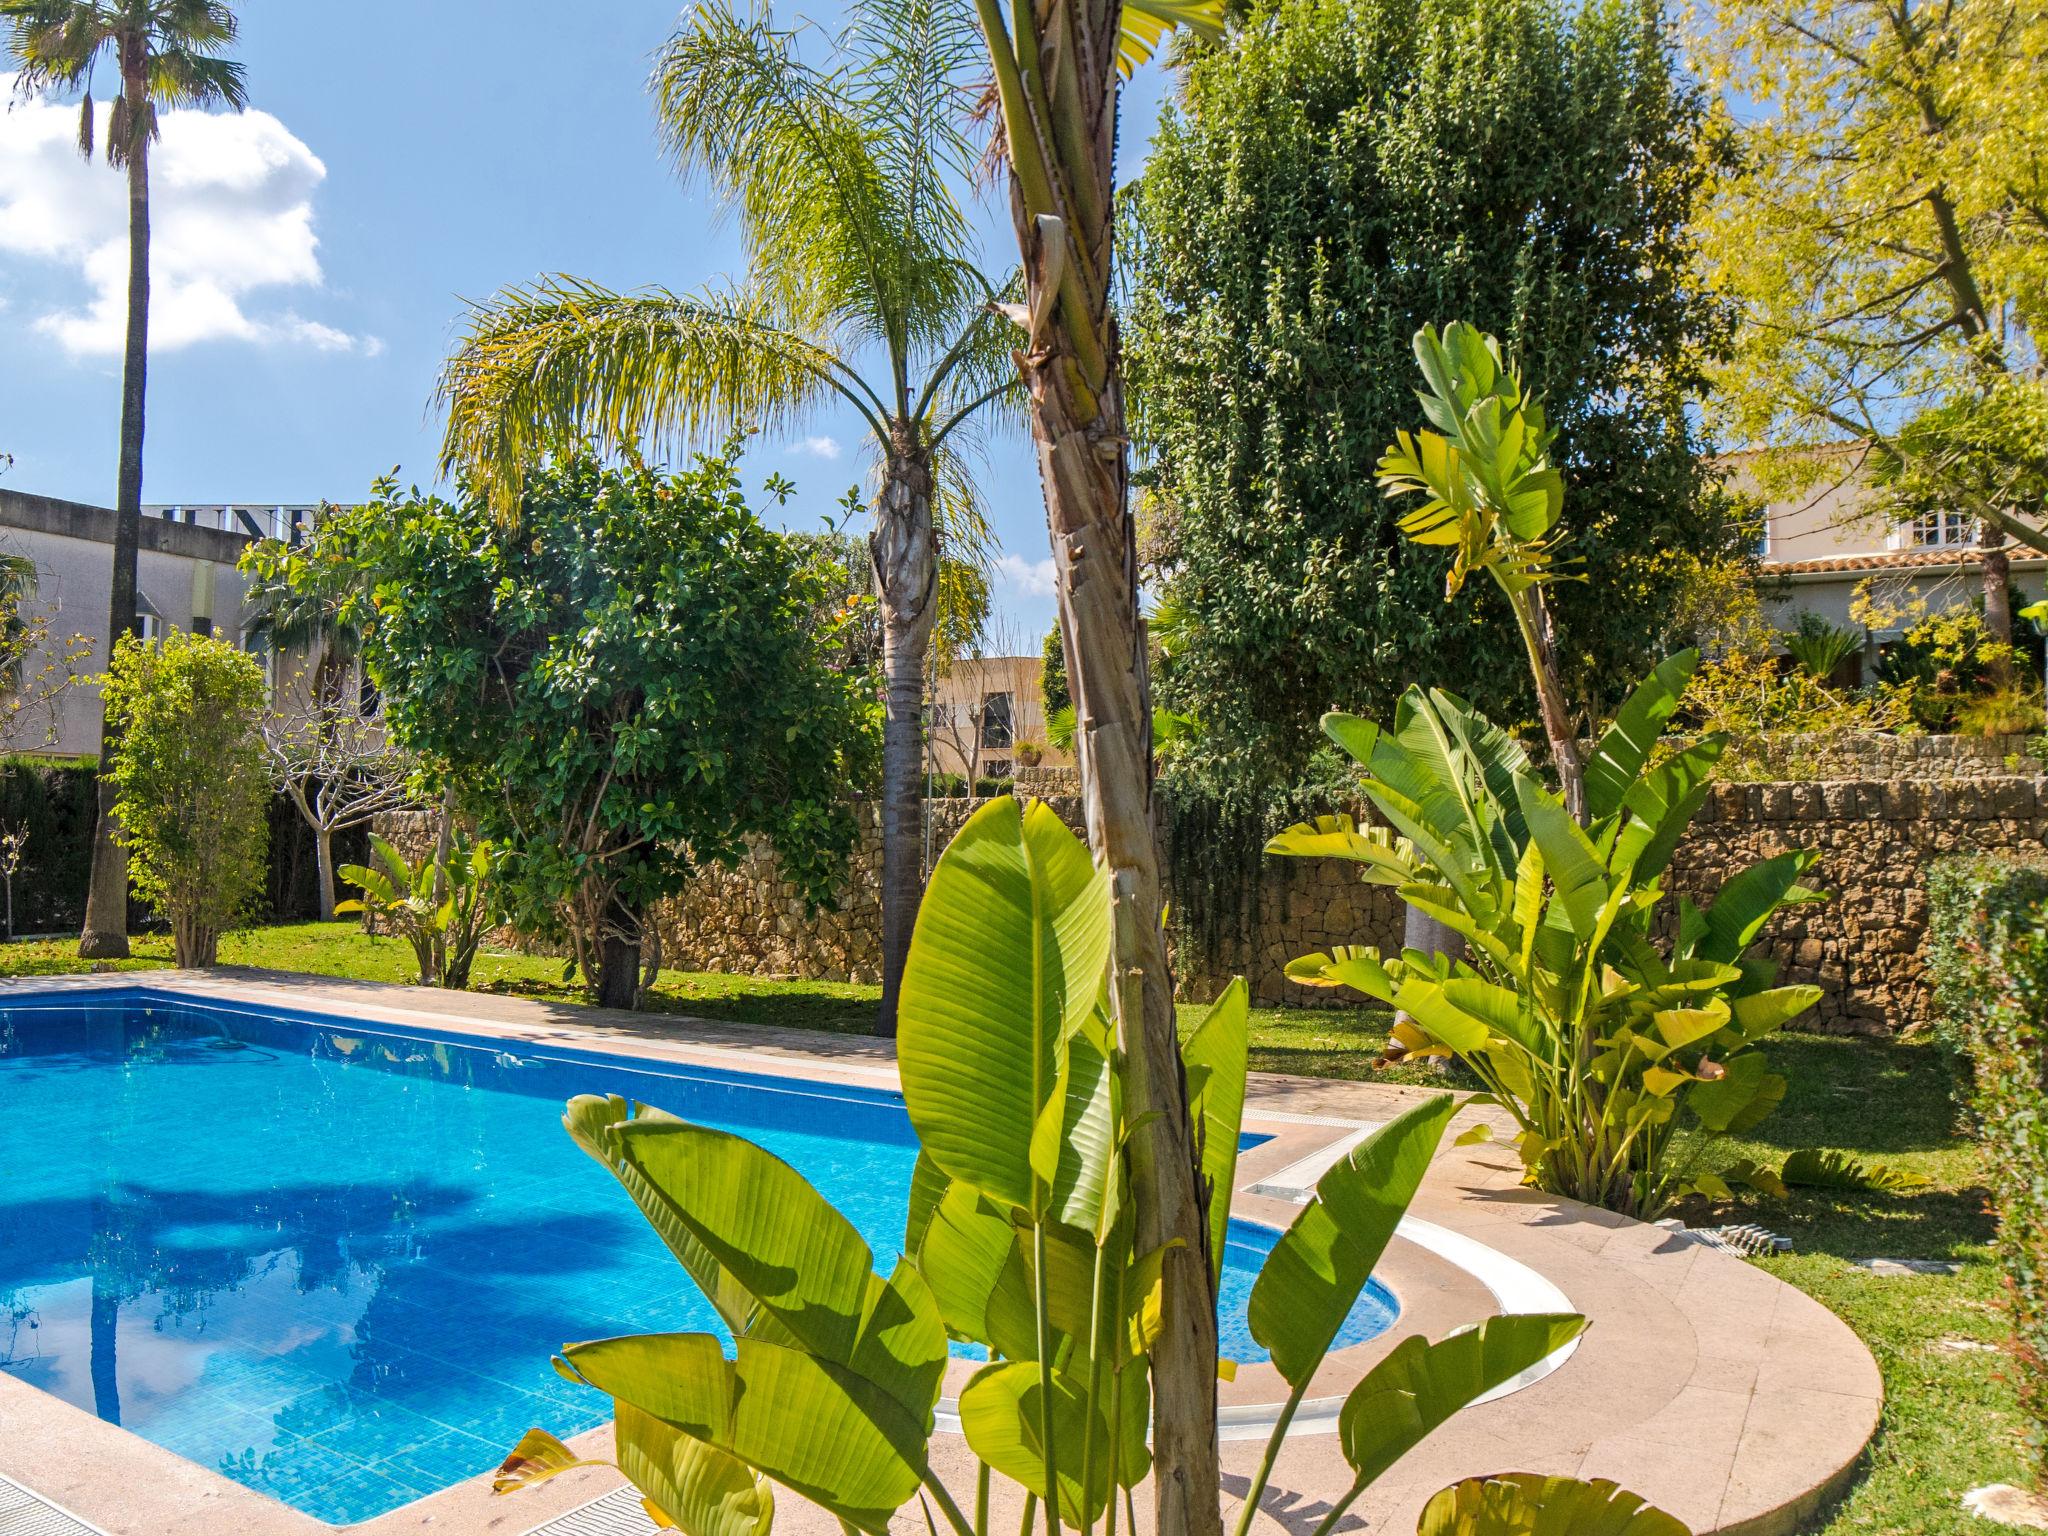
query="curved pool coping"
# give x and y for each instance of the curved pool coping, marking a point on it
(1752, 1410)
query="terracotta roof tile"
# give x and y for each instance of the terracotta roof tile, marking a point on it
(1897, 560)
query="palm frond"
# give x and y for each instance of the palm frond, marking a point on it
(562, 357)
(798, 152)
(978, 376)
(960, 519)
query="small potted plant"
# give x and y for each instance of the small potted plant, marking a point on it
(1029, 754)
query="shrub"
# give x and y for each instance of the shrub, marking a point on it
(194, 790)
(986, 787)
(1989, 946)
(945, 786)
(1772, 718)
(440, 906)
(1603, 1030)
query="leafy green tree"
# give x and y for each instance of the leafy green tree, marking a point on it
(860, 291)
(1053, 692)
(165, 53)
(622, 682)
(194, 787)
(1886, 239)
(1347, 171)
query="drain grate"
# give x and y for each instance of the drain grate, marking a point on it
(26, 1514)
(618, 1513)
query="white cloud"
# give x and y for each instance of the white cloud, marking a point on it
(820, 447)
(1028, 578)
(231, 216)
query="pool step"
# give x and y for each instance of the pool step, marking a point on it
(27, 1514)
(617, 1513)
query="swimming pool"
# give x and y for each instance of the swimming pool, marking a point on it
(329, 1259)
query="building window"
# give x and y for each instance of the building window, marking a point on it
(996, 768)
(995, 720)
(1940, 529)
(150, 628)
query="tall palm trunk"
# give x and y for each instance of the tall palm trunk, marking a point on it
(905, 557)
(106, 903)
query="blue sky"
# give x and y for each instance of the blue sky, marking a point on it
(312, 257)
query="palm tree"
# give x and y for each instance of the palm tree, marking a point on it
(1056, 65)
(166, 53)
(843, 178)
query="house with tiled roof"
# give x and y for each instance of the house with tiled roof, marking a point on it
(1820, 543)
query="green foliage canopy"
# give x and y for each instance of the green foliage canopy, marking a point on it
(1347, 171)
(623, 683)
(194, 787)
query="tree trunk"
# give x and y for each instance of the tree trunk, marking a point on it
(1539, 634)
(323, 861)
(618, 970)
(1094, 549)
(1997, 596)
(905, 560)
(193, 944)
(1058, 89)
(106, 903)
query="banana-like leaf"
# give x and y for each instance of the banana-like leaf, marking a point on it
(1313, 1276)
(1000, 1414)
(1745, 904)
(592, 1122)
(1145, 22)
(1215, 1057)
(1498, 759)
(1660, 806)
(1738, 1100)
(694, 1486)
(1356, 735)
(1388, 859)
(1507, 1014)
(927, 1187)
(1820, 1168)
(1086, 1187)
(1349, 965)
(976, 1269)
(1007, 961)
(537, 1457)
(1420, 1385)
(803, 1263)
(1530, 1504)
(1760, 1013)
(1626, 744)
(1573, 864)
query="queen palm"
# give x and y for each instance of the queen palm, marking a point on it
(860, 290)
(165, 53)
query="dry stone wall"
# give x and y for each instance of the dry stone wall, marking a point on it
(1865, 947)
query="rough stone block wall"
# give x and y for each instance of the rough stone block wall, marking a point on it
(1864, 948)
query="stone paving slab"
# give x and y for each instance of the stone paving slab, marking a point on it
(1703, 1383)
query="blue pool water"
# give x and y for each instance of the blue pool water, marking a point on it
(330, 1259)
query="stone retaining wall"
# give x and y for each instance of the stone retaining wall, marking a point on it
(1864, 948)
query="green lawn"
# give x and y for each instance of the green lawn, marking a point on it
(1951, 1421)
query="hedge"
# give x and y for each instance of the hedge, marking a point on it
(54, 798)
(1989, 958)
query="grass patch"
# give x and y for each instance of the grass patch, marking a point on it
(1951, 1421)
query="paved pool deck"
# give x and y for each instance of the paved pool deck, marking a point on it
(1704, 1384)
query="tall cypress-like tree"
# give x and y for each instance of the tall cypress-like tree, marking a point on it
(1351, 170)
(164, 53)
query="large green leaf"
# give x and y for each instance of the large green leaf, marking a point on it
(1660, 806)
(1388, 860)
(803, 1263)
(1738, 1100)
(1215, 1055)
(1009, 956)
(1420, 1385)
(1530, 1504)
(812, 1426)
(1000, 1414)
(1569, 857)
(699, 1488)
(976, 1268)
(593, 1123)
(1744, 904)
(1626, 744)
(1086, 1192)
(1313, 1276)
